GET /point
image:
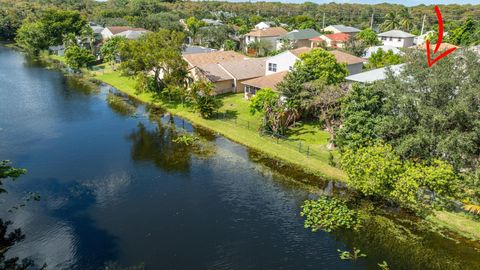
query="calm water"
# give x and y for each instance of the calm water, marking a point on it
(115, 189)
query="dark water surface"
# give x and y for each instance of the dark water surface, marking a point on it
(115, 189)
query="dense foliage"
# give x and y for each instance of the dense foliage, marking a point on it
(328, 214)
(382, 58)
(201, 96)
(77, 57)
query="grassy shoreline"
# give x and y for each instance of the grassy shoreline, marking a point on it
(456, 223)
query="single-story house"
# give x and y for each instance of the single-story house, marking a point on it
(57, 50)
(286, 60)
(269, 81)
(271, 35)
(370, 50)
(227, 70)
(125, 31)
(374, 75)
(340, 28)
(337, 40)
(297, 38)
(397, 38)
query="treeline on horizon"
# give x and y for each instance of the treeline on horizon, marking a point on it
(147, 13)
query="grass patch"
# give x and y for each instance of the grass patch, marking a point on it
(456, 222)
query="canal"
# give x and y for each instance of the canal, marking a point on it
(116, 190)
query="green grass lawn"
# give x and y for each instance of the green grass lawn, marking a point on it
(457, 222)
(242, 127)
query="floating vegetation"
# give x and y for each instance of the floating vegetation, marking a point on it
(328, 214)
(120, 104)
(351, 255)
(186, 139)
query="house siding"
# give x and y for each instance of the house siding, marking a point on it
(397, 42)
(284, 61)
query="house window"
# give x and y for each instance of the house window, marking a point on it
(399, 40)
(272, 67)
(290, 68)
(390, 39)
(248, 38)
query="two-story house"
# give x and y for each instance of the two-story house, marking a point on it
(271, 35)
(397, 38)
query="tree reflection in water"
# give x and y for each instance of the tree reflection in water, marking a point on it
(156, 145)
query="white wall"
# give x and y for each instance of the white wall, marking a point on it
(106, 34)
(397, 42)
(284, 62)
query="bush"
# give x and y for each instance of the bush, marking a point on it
(328, 214)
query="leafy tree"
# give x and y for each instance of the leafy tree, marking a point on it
(57, 23)
(406, 19)
(303, 22)
(356, 47)
(315, 65)
(77, 57)
(110, 50)
(32, 38)
(261, 47)
(372, 170)
(10, 21)
(380, 58)
(214, 36)
(368, 37)
(164, 20)
(203, 100)
(324, 101)
(328, 214)
(263, 98)
(193, 25)
(158, 52)
(466, 34)
(229, 45)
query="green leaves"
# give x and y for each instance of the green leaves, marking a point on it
(328, 214)
(77, 57)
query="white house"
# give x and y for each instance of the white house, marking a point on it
(374, 75)
(340, 28)
(285, 61)
(271, 35)
(397, 38)
(126, 31)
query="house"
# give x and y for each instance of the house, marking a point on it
(374, 75)
(125, 31)
(397, 38)
(337, 40)
(340, 28)
(370, 50)
(286, 60)
(57, 50)
(269, 81)
(227, 70)
(271, 35)
(297, 38)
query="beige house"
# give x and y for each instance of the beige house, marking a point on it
(270, 35)
(227, 70)
(270, 81)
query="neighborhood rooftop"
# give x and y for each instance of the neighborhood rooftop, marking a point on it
(396, 34)
(374, 75)
(345, 29)
(269, 81)
(268, 32)
(119, 29)
(197, 59)
(301, 34)
(341, 57)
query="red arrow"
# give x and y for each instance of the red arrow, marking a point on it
(439, 41)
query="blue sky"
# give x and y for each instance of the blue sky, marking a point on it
(403, 2)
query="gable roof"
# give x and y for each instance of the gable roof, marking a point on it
(197, 59)
(268, 32)
(396, 34)
(131, 34)
(345, 29)
(298, 51)
(338, 37)
(301, 34)
(346, 58)
(269, 81)
(245, 68)
(214, 72)
(118, 29)
(189, 49)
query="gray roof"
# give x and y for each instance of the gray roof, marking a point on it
(375, 74)
(301, 34)
(212, 22)
(396, 34)
(345, 29)
(131, 34)
(196, 49)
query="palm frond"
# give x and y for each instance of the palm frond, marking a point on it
(472, 208)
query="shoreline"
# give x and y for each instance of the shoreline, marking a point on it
(470, 230)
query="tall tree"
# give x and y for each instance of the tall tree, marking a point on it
(391, 21)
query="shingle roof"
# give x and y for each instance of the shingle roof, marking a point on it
(298, 51)
(269, 81)
(396, 34)
(345, 29)
(301, 34)
(197, 49)
(196, 59)
(246, 68)
(119, 29)
(214, 72)
(374, 75)
(345, 58)
(268, 32)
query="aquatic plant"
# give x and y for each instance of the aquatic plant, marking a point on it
(351, 255)
(328, 214)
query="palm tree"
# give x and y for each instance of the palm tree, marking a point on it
(406, 19)
(261, 47)
(391, 22)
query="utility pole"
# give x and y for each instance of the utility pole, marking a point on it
(423, 24)
(371, 21)
(323, 24)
